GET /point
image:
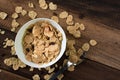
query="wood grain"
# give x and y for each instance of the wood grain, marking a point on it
(106, 34)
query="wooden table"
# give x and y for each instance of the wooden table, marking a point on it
(102, 21)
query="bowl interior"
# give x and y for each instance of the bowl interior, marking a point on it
(19, 46)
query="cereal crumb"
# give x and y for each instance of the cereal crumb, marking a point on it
(13, 52)
(60, 77)
(31, 69)
(8, 42)
(73, 58)
(80, 52)
(85, 46)
(36, 77)
(18, 9)
(47, 77)
(69, 20)
(56, 65)
(51, 70)
(93, 42)
(13, 29)
(2, 32)
(0, 70)
(71, 68)
(31, 5)
(63, 14)
(15, 24)
(24, 12)
(3, 15)
(32, 14)
(55, 18)
(52, 6)
(14, 15)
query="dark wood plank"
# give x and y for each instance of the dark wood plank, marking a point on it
(5, 75)
(104, 11)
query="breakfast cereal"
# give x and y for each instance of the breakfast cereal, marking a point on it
(93, 42)
(59, 77)
(55, 18)
(3, 15)
(24, 12)
(85, 46)
(15, 24)
(52, 6)
(31, 5)
(18, 9)
(69, 20)
(32, 14)
(36, 77)
(63, 14)
(71, 68)
(14, 15)
(41, 40)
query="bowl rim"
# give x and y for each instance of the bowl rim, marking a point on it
(19, 45)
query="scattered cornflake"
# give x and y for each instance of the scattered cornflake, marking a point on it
(69, 20)
(60, 77)
(3, 15)
(43, 4)
(8, 42)
(2, 32)
(74, 31)
(93, 42)
(36, 77)
(65, 62)
(52, 6)
(14, 62)
(71, 68)
(82, 27)
(13, 29)
(55, 18)
(56, 65)
(14, 15)
(32, 14)
(14, 24)
(31, 69)
(47, 77)
(18, 9)
(13, 50)
(39, 69)
(24, 12)
(63, 14)
(80, 52)
(73, 58)
(51, 70)
(85, 47)
(31, 5)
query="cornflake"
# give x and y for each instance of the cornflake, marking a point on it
(73, 58)
(8, 42)
(55, 18)
(60, 77)
(32, 14)
(80, 52)
(2, 32)
(24, 12)
(18, 9)
(43, 4)
(93, 42)
(63, 14)
(69, 20)
(51, 70)
(14, 24)
(52, 6)
(13, 50)
(31, 69)
(85, 46)
(71, 68)
(82, 27)
(31, 5)
(3, 15)
(14, 15)
(36, 77)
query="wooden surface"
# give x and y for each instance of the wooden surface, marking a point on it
(106, 52)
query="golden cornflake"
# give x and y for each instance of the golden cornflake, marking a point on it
(63, 14)
(3, 15)
(60, 77)
(36, 77)
(52, 6)
(85, 46)
(80, 52)
(69, 20)
(8, 42)
(51, 70)
(32, 14)
(82, 27)
(47, 77)
(55, 18)
(31, 69)
(73, 58)
(93, 42)
(14, 15)
(13, 50)
(2, 32)
(18, 9)
(13, 29)
(71, 68)
(14, 24)
(43, 4)
(24, 12)
(31, 5)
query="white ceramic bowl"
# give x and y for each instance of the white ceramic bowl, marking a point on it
(19, 46)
